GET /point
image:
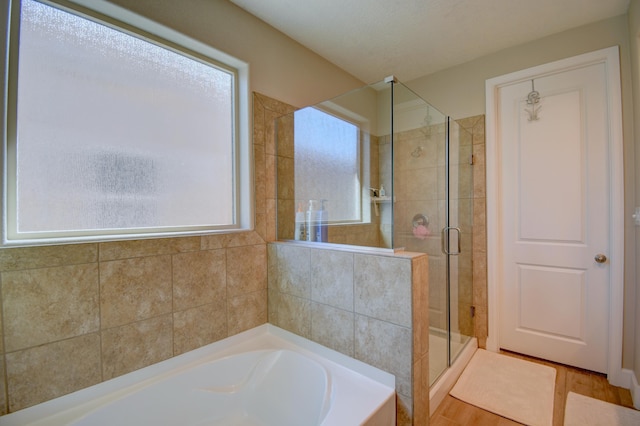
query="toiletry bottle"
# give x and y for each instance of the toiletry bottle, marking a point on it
(300, 231)
(322, 228)
(382, 192)
(311, 222)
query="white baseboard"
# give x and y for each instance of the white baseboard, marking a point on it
(627, 379)
(635, 391)
(621, 378)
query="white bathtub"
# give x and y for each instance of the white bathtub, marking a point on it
(264, 376)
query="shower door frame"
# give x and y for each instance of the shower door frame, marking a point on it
(448, 242)
(452, 146)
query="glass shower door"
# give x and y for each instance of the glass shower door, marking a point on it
(457, 236)
(432, 214)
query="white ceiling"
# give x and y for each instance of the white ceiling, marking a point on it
(372, 39)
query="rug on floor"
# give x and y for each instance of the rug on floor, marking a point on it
(520, 390)
(582, 410)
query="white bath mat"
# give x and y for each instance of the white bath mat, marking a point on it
(585, 411)
(510, 387)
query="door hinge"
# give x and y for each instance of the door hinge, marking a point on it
(472, 160)
(472, 311)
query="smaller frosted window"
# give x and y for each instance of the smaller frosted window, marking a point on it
(115, 133)
(327, 163)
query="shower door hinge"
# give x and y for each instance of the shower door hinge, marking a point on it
(472, 311)
(471, 160)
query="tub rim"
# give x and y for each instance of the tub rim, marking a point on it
(265, 336)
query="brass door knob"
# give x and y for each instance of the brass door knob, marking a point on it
(600, 258)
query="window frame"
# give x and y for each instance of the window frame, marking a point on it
(137, 26)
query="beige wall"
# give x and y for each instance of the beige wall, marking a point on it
(280, 67)
(460, 92)
(634, 39)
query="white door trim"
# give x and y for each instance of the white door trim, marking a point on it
(610, 58)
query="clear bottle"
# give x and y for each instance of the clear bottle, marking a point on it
(322, 220)
(311, 222)
(301, 226)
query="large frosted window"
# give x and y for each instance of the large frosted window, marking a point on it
(115, 133)
(327, 164)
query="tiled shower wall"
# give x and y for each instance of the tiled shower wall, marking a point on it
(370, 306)
(419, 185)
(423, 175)
(476, 127)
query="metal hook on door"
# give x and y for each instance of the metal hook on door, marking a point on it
(445, 240)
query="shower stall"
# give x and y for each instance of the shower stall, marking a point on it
(380, 167)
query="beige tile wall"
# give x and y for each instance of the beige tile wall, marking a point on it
(76, 315)
(420, 325)
(476, 126)
(420, 188)
(368, 306)
(419, 185)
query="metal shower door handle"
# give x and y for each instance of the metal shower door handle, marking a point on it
(445, 240)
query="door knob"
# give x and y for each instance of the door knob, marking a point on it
(600, 258)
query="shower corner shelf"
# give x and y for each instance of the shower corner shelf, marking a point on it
(378, 200)
(384, 199)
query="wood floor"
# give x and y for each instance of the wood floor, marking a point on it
(455, 412)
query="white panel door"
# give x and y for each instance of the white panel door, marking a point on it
(554, 296)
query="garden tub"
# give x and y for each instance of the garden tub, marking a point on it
(264, 376)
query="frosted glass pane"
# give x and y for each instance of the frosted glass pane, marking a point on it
(327, 164)
(114, 132)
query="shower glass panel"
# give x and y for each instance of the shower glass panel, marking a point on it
(380, 167)
(433, 191)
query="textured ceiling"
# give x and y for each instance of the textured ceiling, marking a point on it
(411, 38)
